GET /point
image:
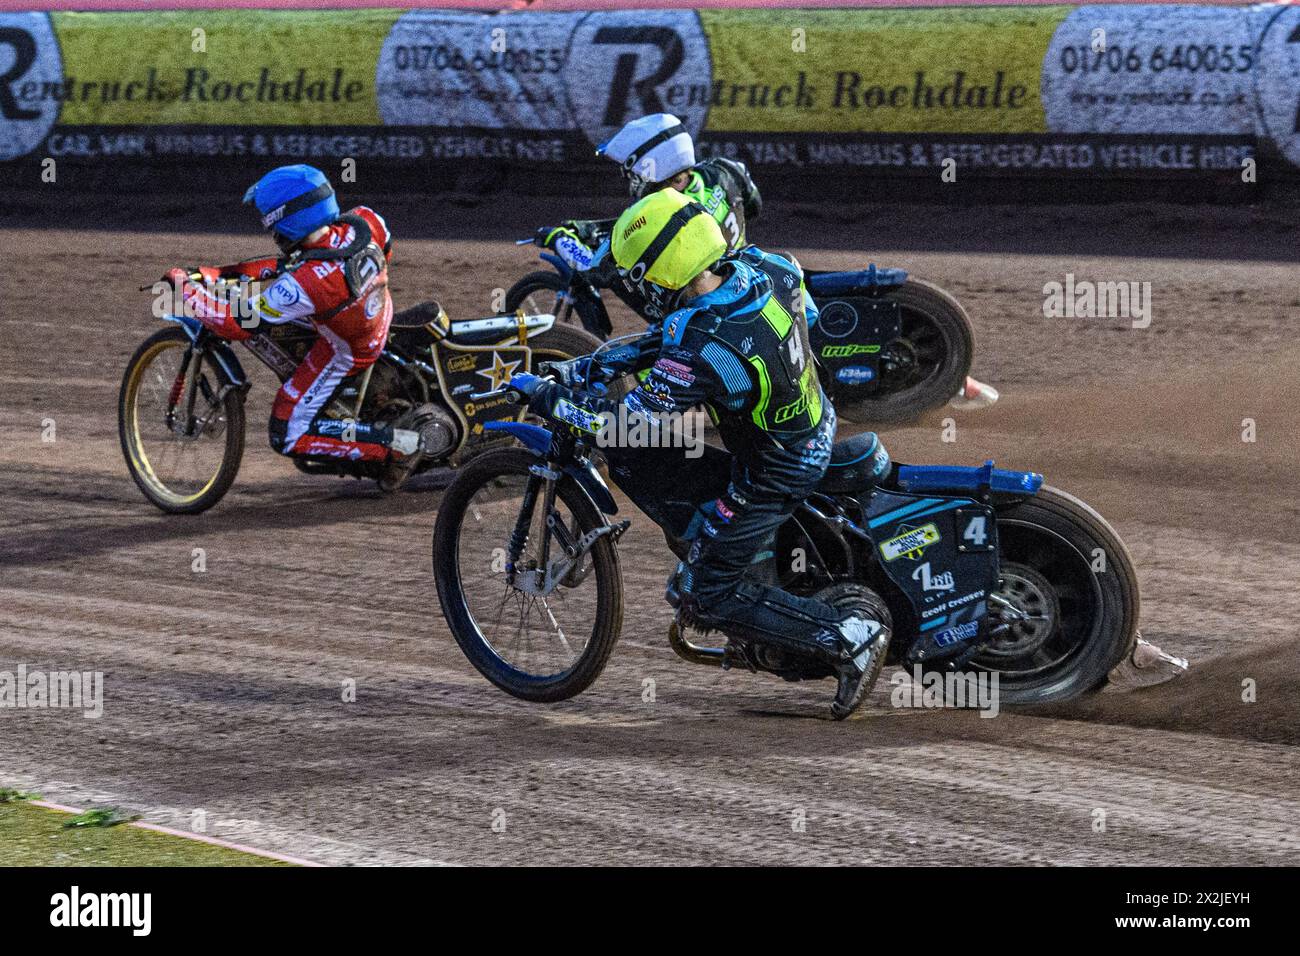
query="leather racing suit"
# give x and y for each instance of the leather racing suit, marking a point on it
(742, 351)
(338, 286)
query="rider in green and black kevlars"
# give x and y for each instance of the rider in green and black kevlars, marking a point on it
(736, 341)
(653, 153)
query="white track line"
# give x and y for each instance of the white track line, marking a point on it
(200, 838)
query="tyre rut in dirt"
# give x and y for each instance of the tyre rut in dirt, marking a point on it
(143, 466)
(1060, 558)
(459, 506)
(935, 320)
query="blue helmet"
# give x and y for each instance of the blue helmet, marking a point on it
(294, 202)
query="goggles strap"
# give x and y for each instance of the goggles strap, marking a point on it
(297, 204)
(663, 136)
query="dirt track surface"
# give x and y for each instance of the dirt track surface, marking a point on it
(223, 688)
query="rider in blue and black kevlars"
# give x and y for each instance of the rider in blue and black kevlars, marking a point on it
(736, 341)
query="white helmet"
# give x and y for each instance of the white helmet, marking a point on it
(650, 150)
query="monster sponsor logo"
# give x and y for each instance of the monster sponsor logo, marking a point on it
(500, 372)
(910, 543)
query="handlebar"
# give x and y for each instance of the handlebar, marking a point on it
(513, 395)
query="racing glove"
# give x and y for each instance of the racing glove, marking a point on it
(547, 236)
(566, 243)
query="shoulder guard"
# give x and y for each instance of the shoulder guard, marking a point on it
(675, 325)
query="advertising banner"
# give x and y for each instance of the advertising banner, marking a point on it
(1040, 90)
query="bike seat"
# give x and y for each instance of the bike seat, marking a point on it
(857, 463)
(502, 330)
(418, 316)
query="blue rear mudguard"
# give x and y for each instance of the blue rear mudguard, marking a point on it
(968, 479)
(538, 440)
(219, 349)
(859, 280)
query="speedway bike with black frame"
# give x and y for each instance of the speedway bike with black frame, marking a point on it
(982, 569)
(889, 346)
(181, 404)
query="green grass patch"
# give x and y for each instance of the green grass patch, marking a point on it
(35, 836)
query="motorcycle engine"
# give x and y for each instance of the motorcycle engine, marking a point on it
(440, 434)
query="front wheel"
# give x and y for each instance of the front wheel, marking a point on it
(1066, 608)
(925, 366)
(545, 634)
(181, 429)
(560, 343)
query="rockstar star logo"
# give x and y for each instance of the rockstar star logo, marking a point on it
(500, 371)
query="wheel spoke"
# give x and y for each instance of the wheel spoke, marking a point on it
(536, 633)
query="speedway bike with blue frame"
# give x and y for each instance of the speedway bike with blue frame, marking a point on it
(889, 346)
(983, 569)
(181, 403)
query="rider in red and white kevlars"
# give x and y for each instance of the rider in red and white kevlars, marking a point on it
(332, 277)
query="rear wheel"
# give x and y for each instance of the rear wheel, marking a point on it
(536, 646)
(925, 366)
(1066, 609)
(542, 293)
(562, 342)
(183, 459)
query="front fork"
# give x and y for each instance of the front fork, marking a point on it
(590, 306)
(541, 576)
(188, 396)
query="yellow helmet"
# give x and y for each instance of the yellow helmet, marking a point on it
(666, 240)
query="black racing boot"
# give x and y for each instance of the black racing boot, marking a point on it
(864, 634)
(415, 434)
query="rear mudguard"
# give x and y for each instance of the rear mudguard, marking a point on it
(220, 351)
(538, 440)
(968, 479)
(866, 280)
